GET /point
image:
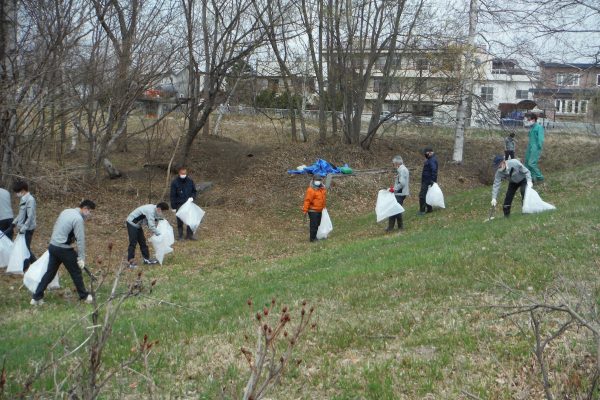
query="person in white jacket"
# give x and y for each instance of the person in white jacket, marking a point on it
(149, 215)
(400, 190)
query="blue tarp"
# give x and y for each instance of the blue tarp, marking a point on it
(320, 167)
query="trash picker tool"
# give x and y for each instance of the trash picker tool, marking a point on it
(491, 214)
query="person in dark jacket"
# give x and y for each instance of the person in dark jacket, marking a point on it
(428, 178)
(182, 188)
(69, 227)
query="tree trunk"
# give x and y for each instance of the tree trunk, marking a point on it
(8, 82)
(467, 87)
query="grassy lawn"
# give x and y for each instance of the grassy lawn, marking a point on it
(398, 316)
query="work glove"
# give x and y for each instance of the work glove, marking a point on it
(391, 189)
(530, 184)
(174, 210)
(494, 203)
(191, 198)
(81, 264)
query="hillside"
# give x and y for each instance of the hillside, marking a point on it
(398, 316)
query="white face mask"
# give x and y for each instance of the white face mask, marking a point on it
(527, 122)
(20, 194)
(317, 183)
(182, 176)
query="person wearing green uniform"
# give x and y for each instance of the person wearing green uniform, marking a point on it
(534, 148)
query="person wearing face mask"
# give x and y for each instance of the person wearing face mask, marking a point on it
(69, 227)
(26, 220)
(518, 177)
(182, 188)
(314, 202)
(149, 215)
(6, 214)
(534, 147)
(428, 178)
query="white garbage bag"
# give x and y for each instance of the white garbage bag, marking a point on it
(36, 272)
(325, 227)
(387, 205)
(190, 214)
(6, 246)
(163, 242)
(17, 256)
(533, 203)
(435, 197)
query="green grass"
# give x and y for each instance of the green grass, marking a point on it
(399, 316)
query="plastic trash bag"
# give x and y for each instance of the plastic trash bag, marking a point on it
(325, 227)
(36, 272)
(162, 243)
(387, 205)
(18, 256)
(6, 246)
(435, 197)
(190, 214)
(533, 203)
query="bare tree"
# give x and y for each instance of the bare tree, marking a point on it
(230, 32)
(129, 49)
(362, 34)
(35, 37)
(466, 85)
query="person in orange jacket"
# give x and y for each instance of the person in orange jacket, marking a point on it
(314, 203)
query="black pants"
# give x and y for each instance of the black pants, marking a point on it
(315, 221)
(189, 232)
(422, 194)
(510, 195)
(398, 217)
(32, 257)
(509, 154)
(67, 257)
(136, 236)
(6, 226)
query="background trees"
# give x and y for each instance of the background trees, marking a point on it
(74, 70)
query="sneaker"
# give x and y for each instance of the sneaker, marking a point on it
(132, 265)
(191, 238)
(89, 299)
(421, 213)
(34, 302)
(151, 261)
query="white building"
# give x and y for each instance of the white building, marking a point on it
(504, 88)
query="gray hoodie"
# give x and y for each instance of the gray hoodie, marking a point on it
(26, 220)
(515, 172)
(144, 215)
(6, 211)
(401, 181)
(67, 228)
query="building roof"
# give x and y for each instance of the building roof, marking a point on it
(564, 91)
(569, 65)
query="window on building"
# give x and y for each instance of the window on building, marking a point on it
(568, 106)
(567, 79)
(422, 64)
(420, 85)
(376, 84)
(598, 80)
(487, 93)
(522, 94)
